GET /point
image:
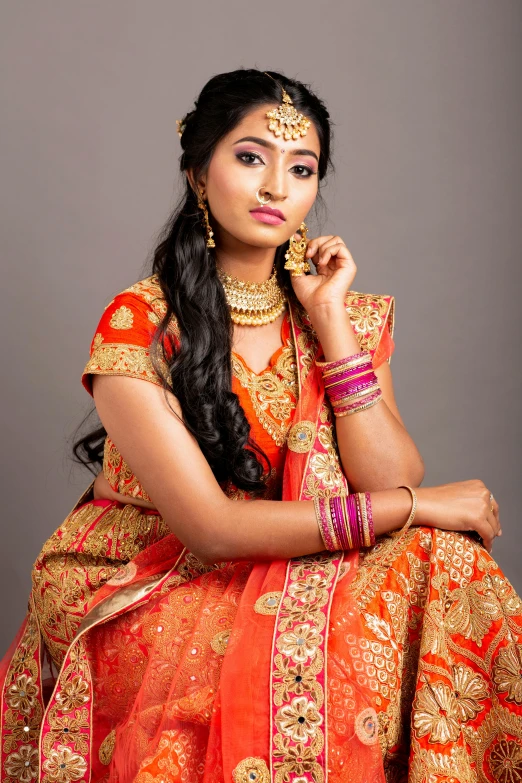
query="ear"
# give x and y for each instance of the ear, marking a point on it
(200, 187)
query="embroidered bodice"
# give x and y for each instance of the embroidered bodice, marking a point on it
(122, 346)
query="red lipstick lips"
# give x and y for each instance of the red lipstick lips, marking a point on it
(267, 215)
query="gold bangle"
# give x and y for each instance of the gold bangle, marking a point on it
(363, 407)
(364, 519)
(355, 396)
(413, 508)
(319, 522)
(331, 528)
(346, 522)
(346, 366)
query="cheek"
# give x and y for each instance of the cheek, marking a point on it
(226, 186)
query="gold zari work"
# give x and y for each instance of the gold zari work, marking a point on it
(272, 392)
(122, 318)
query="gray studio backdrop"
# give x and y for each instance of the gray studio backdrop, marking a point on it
(425, 96)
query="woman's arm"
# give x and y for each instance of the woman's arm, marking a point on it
(173, 470)
(375, 448)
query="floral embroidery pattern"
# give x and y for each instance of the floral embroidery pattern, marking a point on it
(119, 475)
(122, 318)
(272, 392)
(368, 314)
(298, 673)
(23, 764)
(67, 726)
(507, 672)
(21, 709)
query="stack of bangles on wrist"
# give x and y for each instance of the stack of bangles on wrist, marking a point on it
(351, 384)
(346, 521)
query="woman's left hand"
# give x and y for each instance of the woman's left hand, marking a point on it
(336, 272)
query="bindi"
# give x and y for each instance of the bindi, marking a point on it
(282, 152)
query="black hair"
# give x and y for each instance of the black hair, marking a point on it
(200, 371)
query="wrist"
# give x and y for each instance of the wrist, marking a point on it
(335, 333)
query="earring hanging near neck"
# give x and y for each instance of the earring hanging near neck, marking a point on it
(208, 227)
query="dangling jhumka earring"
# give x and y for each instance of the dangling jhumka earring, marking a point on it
(253, 304)
(295, 255)
(210, 233)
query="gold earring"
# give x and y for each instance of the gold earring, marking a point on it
(295, 255)
(210, 233)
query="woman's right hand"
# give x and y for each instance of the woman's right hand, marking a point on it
(461, 506)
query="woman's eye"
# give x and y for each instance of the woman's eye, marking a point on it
(248, 157)
(303, 171)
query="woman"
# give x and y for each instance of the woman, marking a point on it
(216, 607)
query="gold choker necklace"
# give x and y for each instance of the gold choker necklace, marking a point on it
(253, 304)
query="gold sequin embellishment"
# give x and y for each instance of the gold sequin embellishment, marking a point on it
(251, 770)
(301, 437)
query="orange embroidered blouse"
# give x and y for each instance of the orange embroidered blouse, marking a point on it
(121, 346)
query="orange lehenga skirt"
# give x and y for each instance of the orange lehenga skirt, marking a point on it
(137, 662)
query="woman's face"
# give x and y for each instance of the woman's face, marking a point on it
(251, 157)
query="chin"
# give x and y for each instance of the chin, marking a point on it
(270, 237)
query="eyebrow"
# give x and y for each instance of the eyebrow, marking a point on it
(271, 146)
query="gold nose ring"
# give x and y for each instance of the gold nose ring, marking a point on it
(261, 200)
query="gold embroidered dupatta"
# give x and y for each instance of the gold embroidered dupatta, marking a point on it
(274, 700)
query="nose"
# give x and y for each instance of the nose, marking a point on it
(277, 184)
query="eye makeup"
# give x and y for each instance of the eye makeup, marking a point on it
(246, 156)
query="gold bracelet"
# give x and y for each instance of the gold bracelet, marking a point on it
(318, 518)
(355, 396)
(331, 528)
(361, 408)
(413, 508)
(364, 519)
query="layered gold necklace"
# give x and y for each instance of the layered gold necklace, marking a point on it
(253, 304)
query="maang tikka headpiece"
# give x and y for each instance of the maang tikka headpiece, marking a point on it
(286, 121)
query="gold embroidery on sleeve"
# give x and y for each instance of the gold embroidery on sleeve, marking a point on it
(122, 318)
(122, 359)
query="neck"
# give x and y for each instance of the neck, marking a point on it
(246, 262)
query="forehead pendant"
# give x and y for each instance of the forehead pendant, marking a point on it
(286, 121)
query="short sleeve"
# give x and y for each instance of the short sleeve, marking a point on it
(373, 319)
(122, 341)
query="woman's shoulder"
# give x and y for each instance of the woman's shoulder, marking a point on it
(146, 294)
(124, 335)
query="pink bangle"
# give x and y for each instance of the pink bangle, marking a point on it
(325, 522)
(354, 372)
(345, 521)
(345, 410)
(339, 521)
(347, 387)
(355, 395)
(356, 357)
(360, 532)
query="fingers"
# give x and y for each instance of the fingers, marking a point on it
(315, 245)
(497, 516)
(488, 525)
